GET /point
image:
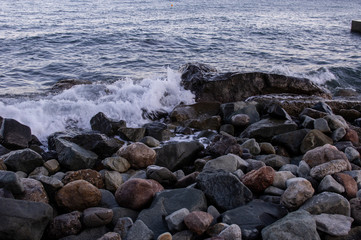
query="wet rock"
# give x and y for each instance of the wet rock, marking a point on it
(140, 231)
(137, 193)
(113, 180)
(314, 139)
(198, 221)
(333, 224)
(233, 232)
(265, 129)
(297, 192)
(175, 221)
(11, 182)
(313, 113)
(14, 135)
(138, 155)
(327, 202)
(348, 183)
(328, 168)
(294, 225)
(227, 162)
(322, 155)
(65, 225)
(200, 110)
(100, 122)
(322, 107)
(23, 220)
(329, 184)
(96, 217)
(78, 195)
(33, 191)
(157, 130)
(291, 140)
(258, 180)
(88, 175)
(252, 146)
(175, 155)
(150, 141)
(74, 157)
(118, 164)
(25, 160)
(51, 184)
(222, 145)
(161, 175)
(213, 123)
(68, 83)
(223, 189)
(131, 134)
(227, 128)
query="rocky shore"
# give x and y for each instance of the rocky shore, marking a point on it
(258, 156)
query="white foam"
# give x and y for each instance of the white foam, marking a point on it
(121, 100)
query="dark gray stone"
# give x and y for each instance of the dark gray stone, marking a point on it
(322, 107)
(157, 130)
(162, 175)
(10, 181)
(123, 225)
(223, 189)
(88, 234)
(23, 220)
(131, 134)
(97, 216)
(228, 110)
(25, 160)
(140, 231)
(108, 199)
(64, 225)
(120, 212)
(14, 135)
(291, 140)
(100, 122)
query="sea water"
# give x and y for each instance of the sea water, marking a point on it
(132, 51)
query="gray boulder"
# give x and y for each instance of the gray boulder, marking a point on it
(131, 134)
(139, 231)
(157, 130)
(291, 140)
(10, 181)
(25, 160)
(14, 135)
(227, 162)
(333, 224)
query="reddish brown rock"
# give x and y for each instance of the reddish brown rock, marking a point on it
(64, 225)
(138, 155)
(88, 175)
(137, 193)
(258, 180)
(33, 191)
(348, 182)
(198, 221)
(351, 135)
(324, 154)
(78, 195)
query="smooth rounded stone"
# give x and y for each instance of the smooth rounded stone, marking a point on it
(240, 120)
(323, 107)
(122, 226)
(303, 169)
(323, 154)
(39, 171)
(233, 232)
(267, 148)
(150, 141)
(88, 175)
(162, 175)
(10, 181)
(280, 179)
(73, 157)
(216, 229)
(139, 231)
(131, 134)
(355, 204)
(65, 225)
(14, 135)
(291, 140)
(52, 166)
(329, 184)
(112, 179)
(110, 236)
(328, 168)
(141, 174)
(348, 182)
(289, 168)
(274, 161)
(97, 216)
(175, 221)
(118, 164)
(214, 212)
(59, 175)
(322, 125)
(175, 155)
(274, 191)
(165, 236)
(258, 180)
(254, 164)
(187, 180)
(198, 221)
(314, 139)
(351, 135)
(223, 189)
(254, 216)
(184, 235)
(25, 160)
(336, 121)
(227, 162)
(78, 195)
(352, 154)
(333, 224)
(252, 145)
(338, 134)
(138, 155)
(296, 225)
(297, 192)
(108, 199)
(327, 202)
(23, 220)
(33, 191)
(355, 174)
(137, 193)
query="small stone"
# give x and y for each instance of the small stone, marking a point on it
(175, 221)
(352, 154)
(25, 160)
(187, 180)
(10, 181)
(323, 154)
(216, 229)
(233, 232)
(140, 231)
(336, 121)
(198, 221)
(33, 191)
(165, 236)
(280, 179)
(65, 225)
(150, 141)
(162, 175)
(303, 169)
(274, 191)
(113, 180)
(123, 225)
(338, 134)
(138, 155)
(39, 171)
(118, 164)
(183, 235)
(52, 166)
(131, 134)
(267, 148)
(329, 184)
(240, 120)
(289, 168)
(252, 146)
(227, 162)
(322, 125)
(351, 135)
(260, 179)
(333, 224)
(96, 217)
(298, 191)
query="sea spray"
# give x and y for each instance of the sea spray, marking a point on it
(74, 107)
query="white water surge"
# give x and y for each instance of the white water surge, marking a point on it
(121, 100)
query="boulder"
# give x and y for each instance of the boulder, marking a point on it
(328, 168)
(68, 83)
(137, 193)
(348, 183)
(227, 162)
(138, 155)
(100, 122)
(64, 225)
(33, 191)
(223, 189)
(322, 125)
(200, 110)
(118, 164)
(291, 140)
(313, 139)
(131, 134)
(296, 225)
(351, 135)
(88, 175)
(258, 180)
(52, 166)
(240, 113)
(333, 224)
(14, 135)
(338, 134)
(157, 130)
(150, 141)
(324, 154)
(198, 221)
(162, 175)
(25, 160)
(11, 182)
(78, 195)
(97, 216)
(329, 184)
(297, 192)
(335, 121)
(175, 155)
(23, 220)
